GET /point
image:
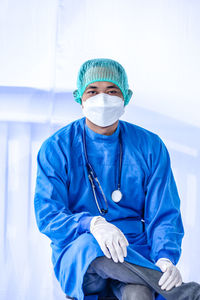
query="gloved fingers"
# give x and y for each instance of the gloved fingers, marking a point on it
(105, 250)
(164, 277)
(119, 251)
(123, 246)
(112, 251)
(173, 283)
(171, 280)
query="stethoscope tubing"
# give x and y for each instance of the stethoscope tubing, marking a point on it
(93, 177)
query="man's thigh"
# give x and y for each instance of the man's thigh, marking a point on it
(108, 269)
(104, 274)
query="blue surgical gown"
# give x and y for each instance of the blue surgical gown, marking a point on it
(148, 214)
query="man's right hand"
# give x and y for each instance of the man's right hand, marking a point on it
(111, 239)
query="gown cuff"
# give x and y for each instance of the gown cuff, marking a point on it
(84, 224)
(164, 254)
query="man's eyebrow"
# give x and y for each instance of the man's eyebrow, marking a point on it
(96, 87)
(91, 87)
(112, 87)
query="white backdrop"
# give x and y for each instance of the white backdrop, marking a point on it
(43, 44)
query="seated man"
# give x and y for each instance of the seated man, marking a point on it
(107, 199)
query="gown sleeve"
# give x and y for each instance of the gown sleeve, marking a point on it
(51, 201)
(162, 207)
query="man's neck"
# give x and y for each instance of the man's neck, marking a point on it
(102, 130)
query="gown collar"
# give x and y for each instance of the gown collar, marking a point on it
(101, 137)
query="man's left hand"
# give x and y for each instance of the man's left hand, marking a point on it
(171, 275)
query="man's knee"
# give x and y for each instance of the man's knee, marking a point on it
(136, 291)
(93, 283)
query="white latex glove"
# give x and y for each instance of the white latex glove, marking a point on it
(171, 277)
(112, 241)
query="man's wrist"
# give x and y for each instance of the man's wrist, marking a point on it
(94, 221)
(163, 259)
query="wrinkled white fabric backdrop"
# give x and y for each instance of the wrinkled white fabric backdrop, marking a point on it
(42, 45)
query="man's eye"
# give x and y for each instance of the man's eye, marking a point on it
(91, 92)
(112, 92)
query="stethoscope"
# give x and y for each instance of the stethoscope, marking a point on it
(116, 194)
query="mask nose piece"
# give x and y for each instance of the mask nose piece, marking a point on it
(104, 98)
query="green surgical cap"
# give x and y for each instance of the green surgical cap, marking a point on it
(102, 69)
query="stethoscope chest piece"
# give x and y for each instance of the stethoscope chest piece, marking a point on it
(116, 195)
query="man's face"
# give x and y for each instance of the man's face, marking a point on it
(99, 87)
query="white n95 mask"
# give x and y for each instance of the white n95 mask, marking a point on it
(103, 109)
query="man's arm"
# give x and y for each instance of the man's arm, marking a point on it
(162, 207)
(163, 218)
(53, 215)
